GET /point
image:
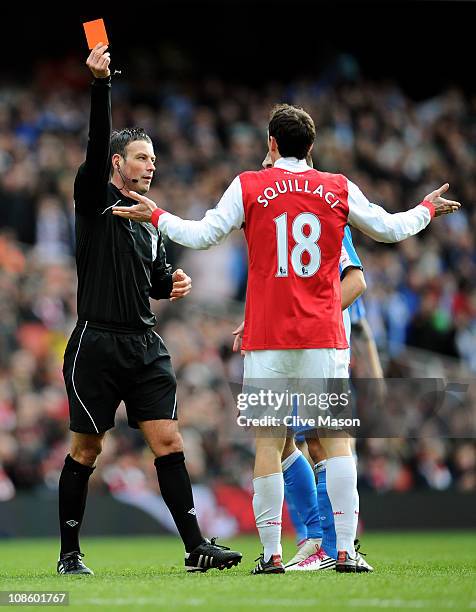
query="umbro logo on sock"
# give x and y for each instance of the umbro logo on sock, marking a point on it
(72, 523)
(192, 512)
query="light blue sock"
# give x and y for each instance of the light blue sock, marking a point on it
(300, 489)
(326, 514)
(299, 527)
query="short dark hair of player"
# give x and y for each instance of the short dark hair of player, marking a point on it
(121, 138)
(293, 129)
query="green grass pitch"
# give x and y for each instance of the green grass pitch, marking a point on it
(429, 571)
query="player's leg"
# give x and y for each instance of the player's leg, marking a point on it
(151, 404)
(296, 519)
(318, 457)
(325, 509)
(268, 497)
(267, 372)
(341, 481)
(325, 559)
(331, 367)
(300, 490)
(315, 448)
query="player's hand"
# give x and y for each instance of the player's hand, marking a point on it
(98, 61)
(238, 333)
(141, 212)
(442, 206)
(182, 285)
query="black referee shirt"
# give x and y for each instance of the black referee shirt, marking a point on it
(120, 263)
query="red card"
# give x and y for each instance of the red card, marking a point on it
(95, 32)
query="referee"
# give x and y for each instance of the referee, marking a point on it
(113, 353)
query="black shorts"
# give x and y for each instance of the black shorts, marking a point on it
(102, 367)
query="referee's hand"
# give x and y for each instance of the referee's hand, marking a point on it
(98, 62)
(182, 285)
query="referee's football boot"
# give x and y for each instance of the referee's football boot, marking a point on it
(274, 565)
(362, 565)
(209, 555)
(72, 563)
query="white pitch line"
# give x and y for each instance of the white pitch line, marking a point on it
(139, 601)
(401, 603)
(279, 603)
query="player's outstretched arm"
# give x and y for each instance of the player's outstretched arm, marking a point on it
(215, 226)
(376, 222)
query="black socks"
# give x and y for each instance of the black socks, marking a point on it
(175, 487)
(73, 490)
(176, 490)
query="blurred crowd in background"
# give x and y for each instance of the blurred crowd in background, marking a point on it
(421, 296)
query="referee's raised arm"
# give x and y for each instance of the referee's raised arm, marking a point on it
(93, 174)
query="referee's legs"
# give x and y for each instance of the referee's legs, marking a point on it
(73, 487)
(166, 443)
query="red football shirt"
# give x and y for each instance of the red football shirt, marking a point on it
(294, 225)
(294, 218)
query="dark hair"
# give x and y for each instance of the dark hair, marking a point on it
(121, 138)
(293, 129)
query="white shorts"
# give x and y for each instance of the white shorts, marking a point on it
(297, 363)
(296, 382)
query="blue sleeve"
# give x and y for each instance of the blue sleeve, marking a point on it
(348, 245)
(351, 259)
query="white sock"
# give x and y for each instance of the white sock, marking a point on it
(268, 508)
(357, 498)
(342, 491)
